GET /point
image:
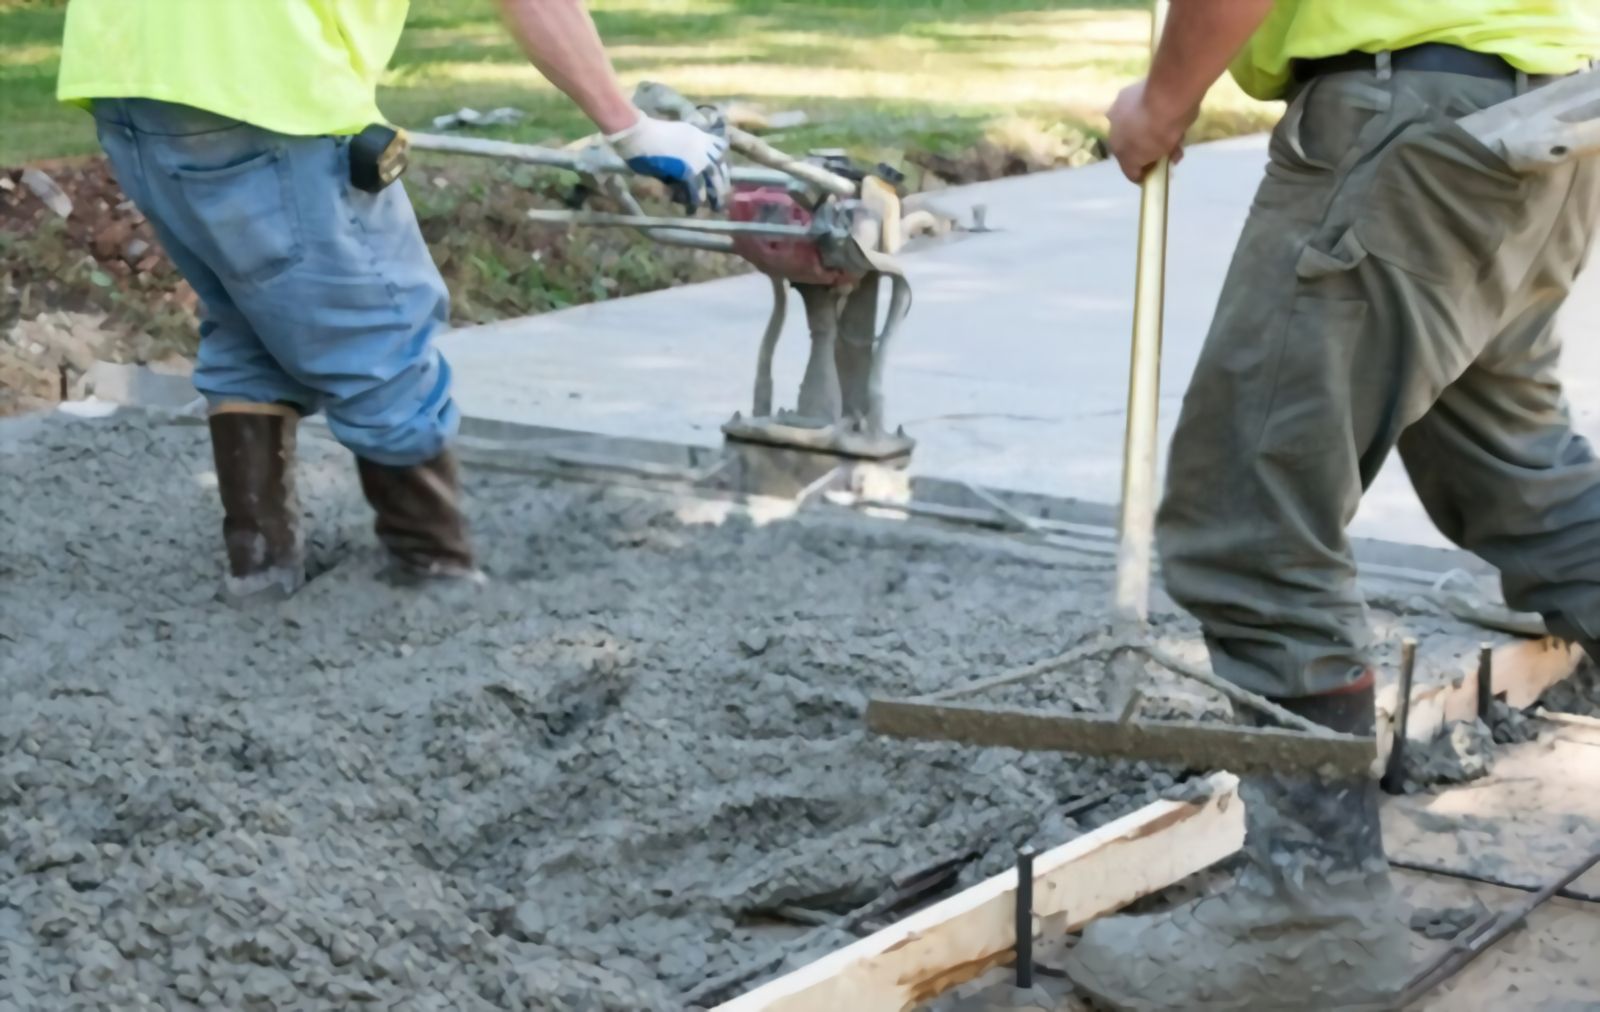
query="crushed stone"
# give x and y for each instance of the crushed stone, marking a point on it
(1463, 752)
(587, 788)
(1579, 694)
(1446, 923)
(1511, 726)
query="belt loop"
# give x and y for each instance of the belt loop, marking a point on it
(1522, 82)
(1385, 65)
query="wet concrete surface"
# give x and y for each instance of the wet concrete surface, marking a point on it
(590, 786)
(585, 787)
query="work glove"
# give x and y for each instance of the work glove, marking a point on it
(692, 162)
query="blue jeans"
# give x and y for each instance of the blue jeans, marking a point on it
(313, 293)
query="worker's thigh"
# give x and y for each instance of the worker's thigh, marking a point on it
(233, 364)
(337, 283)
(1261, 476)
(1369, 277)
(1496, 461)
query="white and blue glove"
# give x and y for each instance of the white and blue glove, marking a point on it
(692, 162)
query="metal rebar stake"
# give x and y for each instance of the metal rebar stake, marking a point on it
(1024, 943)
(1135, 550)
(1394, 774)
(1494, 880)
(1485, 680)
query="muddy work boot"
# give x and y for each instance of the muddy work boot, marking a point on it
(420, 520)
(1312, 921)
(253, 447)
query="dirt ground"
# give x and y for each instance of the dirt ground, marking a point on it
(1535, 817)
(91, 285)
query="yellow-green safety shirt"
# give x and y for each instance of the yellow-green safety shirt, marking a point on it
(1536, 36)
(304, 67)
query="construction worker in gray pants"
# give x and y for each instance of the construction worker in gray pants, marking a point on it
(1396, 286)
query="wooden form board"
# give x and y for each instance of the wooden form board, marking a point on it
(1523, 670)
(957, 939)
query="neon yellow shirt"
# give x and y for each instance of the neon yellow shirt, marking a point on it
(1537, 36)
(303, 67)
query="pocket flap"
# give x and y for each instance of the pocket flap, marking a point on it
(1318, 263)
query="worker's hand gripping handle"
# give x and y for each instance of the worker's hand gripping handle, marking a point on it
(692, 161)
(660, 100)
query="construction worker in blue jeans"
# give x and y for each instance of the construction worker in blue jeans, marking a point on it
(1395, 289)
(229, 124)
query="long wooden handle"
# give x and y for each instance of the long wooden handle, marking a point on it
(1135, 549)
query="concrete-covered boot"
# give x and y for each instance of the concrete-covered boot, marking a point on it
(1312, 921)
(253, 447)
(420, 520)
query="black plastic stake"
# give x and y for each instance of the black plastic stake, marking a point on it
(1024, 946)
(1485, 680)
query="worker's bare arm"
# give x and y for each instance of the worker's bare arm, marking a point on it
(560, 39)
(1149, 117)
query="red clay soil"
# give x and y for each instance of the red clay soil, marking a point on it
(94, 284)
(103, 223)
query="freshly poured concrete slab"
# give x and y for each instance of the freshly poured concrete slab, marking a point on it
(1011, 370)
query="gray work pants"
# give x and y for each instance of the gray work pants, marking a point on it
(1396, 285)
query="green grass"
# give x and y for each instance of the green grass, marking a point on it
(876, 77)
(32, 124)
(986, 84)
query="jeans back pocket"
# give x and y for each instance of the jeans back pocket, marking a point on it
(243, 215)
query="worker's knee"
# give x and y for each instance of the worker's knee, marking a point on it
(233, 365)
(384, 385)
(400, 419)
(1202, 545)
(1282, 660)
(1277, 624)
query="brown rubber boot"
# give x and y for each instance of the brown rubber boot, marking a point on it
(253, 446)
(1312, 922)
(420, 520)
